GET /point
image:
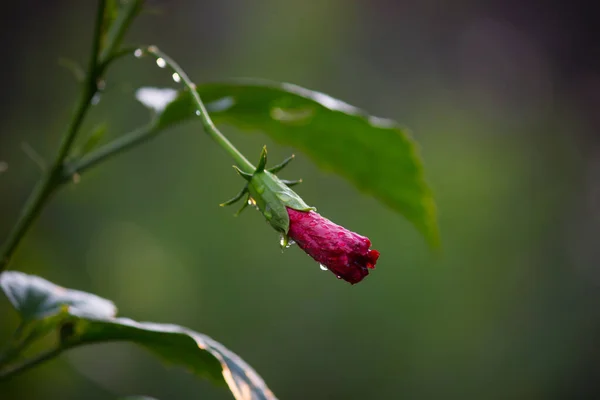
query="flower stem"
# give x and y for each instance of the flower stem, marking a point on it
(207, 123)
(53, 177)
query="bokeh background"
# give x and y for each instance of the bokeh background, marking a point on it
(503, 97)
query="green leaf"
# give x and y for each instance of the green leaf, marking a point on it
(111, 10)
(36, 298)
(91, 142)
(375, 154)
(84, 318)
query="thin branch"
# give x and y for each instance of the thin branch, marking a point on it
(209, 126)
(118, 28)
(28, 364)
(34, 156)
(117, 55)
(117, 146)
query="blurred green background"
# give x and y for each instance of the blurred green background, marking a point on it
(502, 97)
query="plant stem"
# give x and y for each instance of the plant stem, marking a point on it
(208, 124)
(48, 183)
(117, 30)
(117, 146)
(28, 364)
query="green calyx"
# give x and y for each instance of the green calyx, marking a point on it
(269, 194)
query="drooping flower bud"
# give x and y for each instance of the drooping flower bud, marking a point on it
(345, 253)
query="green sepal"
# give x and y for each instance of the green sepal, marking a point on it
(262, 163)
(243, 207)
(281, 166)
(272, 196)
(292, 183)
(236, 198)
(243, 174)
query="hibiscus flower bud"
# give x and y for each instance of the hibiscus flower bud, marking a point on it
(337, 249)
(341, 251)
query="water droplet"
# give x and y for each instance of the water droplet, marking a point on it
(176, 77)
(285, 243)
(161, 62)
(198, 112)
(138, 53)
(96, 99)
(251, 202)
(101, 84)
(339, 277)
(323, 268)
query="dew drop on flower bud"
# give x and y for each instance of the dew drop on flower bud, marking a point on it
(284, 244)
(323, 268)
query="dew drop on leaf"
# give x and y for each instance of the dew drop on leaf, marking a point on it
(198, 112)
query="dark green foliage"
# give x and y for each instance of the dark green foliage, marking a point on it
(82, 318)
(375, 154)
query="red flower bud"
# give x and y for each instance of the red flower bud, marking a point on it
(343, 252)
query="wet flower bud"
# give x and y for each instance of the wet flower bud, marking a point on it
(343, 252)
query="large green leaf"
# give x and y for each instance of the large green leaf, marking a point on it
(35, 298)
(375, 154)
(83, 318)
